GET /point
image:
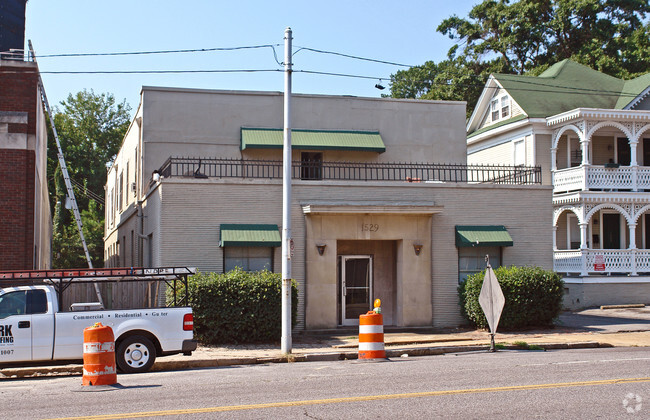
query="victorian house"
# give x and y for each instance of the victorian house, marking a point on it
(590, 133)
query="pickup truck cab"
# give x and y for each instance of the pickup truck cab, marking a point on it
(33, 329)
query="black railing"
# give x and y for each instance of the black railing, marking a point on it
(350, 171)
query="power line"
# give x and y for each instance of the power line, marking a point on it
(195, 50)
(162, 71)
(373, 60)
(88, 193)
(549, 88)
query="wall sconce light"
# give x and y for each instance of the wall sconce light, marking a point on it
(321, 248)
(155, 176)
(417, 248)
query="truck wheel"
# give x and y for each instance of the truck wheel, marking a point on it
(135, 354)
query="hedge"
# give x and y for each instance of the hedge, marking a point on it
(533, 297)
(238, 306)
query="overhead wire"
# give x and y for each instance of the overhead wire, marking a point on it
(194, 50)
(85, 191)
(548, 88)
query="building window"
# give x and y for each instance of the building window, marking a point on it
(311, 165)
(254, 258)
(520, 153)
(505, 106)
(128, 184)
(495, 109)
(120, 193)
(471, 260)
(500, 108)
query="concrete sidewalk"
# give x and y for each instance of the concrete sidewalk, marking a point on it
(586, 329)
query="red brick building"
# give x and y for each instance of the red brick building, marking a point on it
(25, 218)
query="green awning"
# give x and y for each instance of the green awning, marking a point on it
(249, 235)
(271, 138)
(482, 236)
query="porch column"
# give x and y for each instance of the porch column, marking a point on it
(553, 159)
(553, 164)
(584, 144)
(634, 165)
(633, 160)
(583, 263)
(632, 248)
(583, 235)
(554, 238)
(632, 227)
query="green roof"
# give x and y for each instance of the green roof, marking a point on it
(249, 235)
(467, 236)
(272, 138)
(568, 85)
(499, 124)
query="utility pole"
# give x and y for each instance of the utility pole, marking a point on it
(287, 241)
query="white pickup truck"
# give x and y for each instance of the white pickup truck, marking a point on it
(34, 330)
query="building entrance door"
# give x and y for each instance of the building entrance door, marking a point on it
(356, 287)
(611, 231)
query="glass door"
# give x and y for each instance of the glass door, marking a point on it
(356, 287)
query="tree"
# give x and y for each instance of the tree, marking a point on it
(90, 128)
(526, 37)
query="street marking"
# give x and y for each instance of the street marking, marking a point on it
(353, 399)
(588, 361)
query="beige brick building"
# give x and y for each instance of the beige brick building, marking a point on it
(383, 203)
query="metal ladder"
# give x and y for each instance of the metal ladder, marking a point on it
(64, 172)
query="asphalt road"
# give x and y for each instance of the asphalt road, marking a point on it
(589, 383)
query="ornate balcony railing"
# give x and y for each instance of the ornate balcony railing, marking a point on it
(588, 177)
(602, 261)
(350, 171)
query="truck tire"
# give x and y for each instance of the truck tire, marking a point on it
(135, 354)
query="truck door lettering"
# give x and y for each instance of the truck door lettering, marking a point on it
(5, 334)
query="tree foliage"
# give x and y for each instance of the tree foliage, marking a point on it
(90, 128)
(526, 37)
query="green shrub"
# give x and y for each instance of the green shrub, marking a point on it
(533, 297)
(238, 306)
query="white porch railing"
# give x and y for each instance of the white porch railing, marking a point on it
(599, 177)
(599, 261)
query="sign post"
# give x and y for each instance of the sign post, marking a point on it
(491, 300)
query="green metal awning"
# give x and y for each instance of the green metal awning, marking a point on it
(249, 235)
(271, 138)
(482, 236)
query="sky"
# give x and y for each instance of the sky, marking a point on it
(402, 32)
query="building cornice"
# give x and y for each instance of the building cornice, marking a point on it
(601, 197)
(598, 114)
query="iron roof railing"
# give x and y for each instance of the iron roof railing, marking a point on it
(192, 167)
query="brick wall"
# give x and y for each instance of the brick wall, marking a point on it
(18, 92)
(16, 209)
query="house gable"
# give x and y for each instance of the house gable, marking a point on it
(562, 87)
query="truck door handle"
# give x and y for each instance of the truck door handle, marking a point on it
(23, 324)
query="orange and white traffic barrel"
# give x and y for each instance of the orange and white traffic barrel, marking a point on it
(371, 334)
(99, 356)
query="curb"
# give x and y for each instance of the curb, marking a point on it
(163, 365)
